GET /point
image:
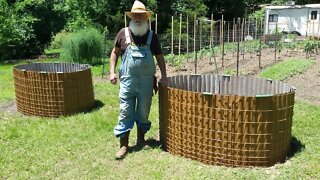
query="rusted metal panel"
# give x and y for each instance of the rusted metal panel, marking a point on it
(227, 120)
(53, 89)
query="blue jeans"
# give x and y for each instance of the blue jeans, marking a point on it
(135, 102)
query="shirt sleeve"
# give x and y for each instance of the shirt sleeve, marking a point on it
(118, 39)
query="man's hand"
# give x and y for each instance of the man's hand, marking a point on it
(164, 81)
(113, 78)
(113, 63)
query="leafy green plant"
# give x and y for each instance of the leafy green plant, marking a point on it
(56, 42)
(310, 46)
(229, 71)
(286, 69)
(173, 60)
(84, 46)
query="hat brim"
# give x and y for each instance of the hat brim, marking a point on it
(148, 13)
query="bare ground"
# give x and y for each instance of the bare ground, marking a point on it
(307, 84)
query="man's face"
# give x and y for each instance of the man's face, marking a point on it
(139, 17)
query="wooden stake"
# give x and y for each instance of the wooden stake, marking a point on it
(248, 26)
(242, 30)
(319, 29)
(220, 32)
(200, 34)
(242, 37)
(222, 41)
(234, 29)
(275, 45)
(238, 44)
(187, 38)
(260, 44)
(171, 34)
(211, 35)
(211, 30)
(125, 20)
(228, 31)
(262, 28)
(156, 25)
(180, 35)
(313, 31)
(194, 44)
(256, 29)
(194, 33)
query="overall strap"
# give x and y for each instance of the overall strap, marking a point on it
(127, 34)
(149, 37)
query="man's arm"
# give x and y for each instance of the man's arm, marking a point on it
(113, 63)
(162, 66)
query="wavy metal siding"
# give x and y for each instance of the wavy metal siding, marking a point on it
(53, 89)
(227, 120)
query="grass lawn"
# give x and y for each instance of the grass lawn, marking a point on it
(83, 145)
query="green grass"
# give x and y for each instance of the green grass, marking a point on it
(6, 83)
(53, 51)
(83, 146)
(286, 69)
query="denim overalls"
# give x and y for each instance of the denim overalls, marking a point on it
(136, 74)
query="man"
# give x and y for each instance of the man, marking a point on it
(136, 45)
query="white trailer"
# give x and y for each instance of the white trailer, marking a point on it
(298, 19)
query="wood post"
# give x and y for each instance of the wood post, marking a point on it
(125, 20)
(156, 25)
(200, 20)
(187, 38)
(234, 30)
(194, 33)
(194, 44)
(228, 31)
(211, 35)
(172, 35)
(180, 35)
(238, 43)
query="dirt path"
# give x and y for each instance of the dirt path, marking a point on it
(307, 83)
(8, 107)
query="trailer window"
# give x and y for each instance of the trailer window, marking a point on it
(273, 18)
(314, 15)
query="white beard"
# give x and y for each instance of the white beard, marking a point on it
(139, 29)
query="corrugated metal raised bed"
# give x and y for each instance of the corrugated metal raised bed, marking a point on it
(227, 120)
(53, 89)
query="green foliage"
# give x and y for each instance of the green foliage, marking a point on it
(26, 27)
(189, 7)
(310, 46)
(279, 2)
(15, 32)
(286, 69)
(56, 42)
(173, 60)
(84, 46)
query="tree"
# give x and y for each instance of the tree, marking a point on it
(26, 27)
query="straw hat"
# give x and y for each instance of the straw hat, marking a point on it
(138, 7)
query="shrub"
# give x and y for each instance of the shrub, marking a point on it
(84, 46)
(56, 42)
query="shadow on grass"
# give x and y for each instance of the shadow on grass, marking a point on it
(295, 147)
(96, 106)
(150, 144)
